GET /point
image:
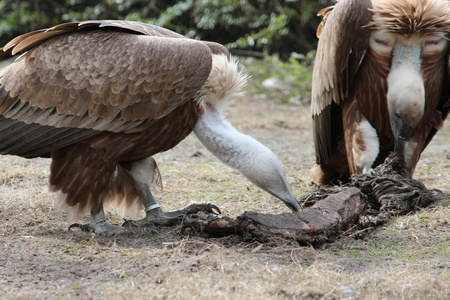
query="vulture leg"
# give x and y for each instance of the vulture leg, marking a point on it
(141, 174)
(101, 227)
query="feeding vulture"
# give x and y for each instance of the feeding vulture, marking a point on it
(380, 83)
(101, 97)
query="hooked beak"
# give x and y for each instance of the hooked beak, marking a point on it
(402, 134)
(292, 203)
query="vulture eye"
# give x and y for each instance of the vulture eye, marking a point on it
(434, 44)
(382, 42)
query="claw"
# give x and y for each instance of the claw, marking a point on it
(206, 207)
(83, 227)
(129, 223)
(370, 171)
(144, 228)
(213, 206)
(435, 192)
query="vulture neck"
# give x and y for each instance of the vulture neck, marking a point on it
(242, 152)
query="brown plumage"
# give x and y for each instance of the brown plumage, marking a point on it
(120, 113)
(380, 83)
(100, 97)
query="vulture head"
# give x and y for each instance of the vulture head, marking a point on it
(380, 83)
(101, 97)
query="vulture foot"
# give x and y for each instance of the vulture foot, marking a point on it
(100, 229)
(157, 216)
(99, 226)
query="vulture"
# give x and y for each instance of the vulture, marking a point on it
(380, 84)
(101, 97)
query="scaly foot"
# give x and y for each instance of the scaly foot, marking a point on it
(100, 229)
(157, 216)
(99, 226)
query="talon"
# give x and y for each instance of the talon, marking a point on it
(370, 171)
(128, 223)
(206, 207)
(213, 206)
(83, 227)
(435, 192)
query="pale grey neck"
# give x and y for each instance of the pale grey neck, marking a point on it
(223, 140)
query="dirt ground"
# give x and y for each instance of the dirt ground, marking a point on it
(409, 258)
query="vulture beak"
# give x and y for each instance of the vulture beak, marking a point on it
(292, 203)
(275, 183)
(402, 134)
(281, 190)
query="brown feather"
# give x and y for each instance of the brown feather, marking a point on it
(374, 69)
(20, 38)
(324, 13)
(33, 40)
(166, 90)
(422, 17)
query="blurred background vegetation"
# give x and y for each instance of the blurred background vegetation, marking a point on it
(280, 32)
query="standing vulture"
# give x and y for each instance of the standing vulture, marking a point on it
(380, 83)
(101, 97)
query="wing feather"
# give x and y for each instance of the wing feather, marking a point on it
(344, 38)
(35, 39)
(94, 76)
(343, 41)
(438, 116)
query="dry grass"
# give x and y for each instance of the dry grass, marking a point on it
(407, 259)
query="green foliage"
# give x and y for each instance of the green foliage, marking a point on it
(427, 169)
(254, 27)
(296, 77)
(419, 217)
(79, 246)
(257, 26)
(77, 286)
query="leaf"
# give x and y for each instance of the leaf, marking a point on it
(420, 218)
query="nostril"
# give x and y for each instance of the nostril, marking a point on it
(406, 133)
